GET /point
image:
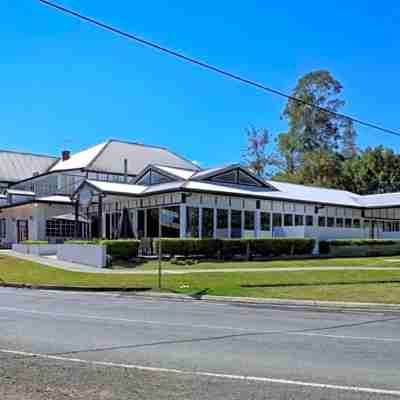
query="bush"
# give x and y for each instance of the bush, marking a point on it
(121, 249)
(233, 247)
(188, 247)
(363, 242)
(324, 247)
(82, 242)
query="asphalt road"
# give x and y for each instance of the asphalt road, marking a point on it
(92, 346)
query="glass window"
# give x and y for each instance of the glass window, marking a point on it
(236, 224)
(299, 220)
(153, 219)
(62, 228)
(330, 222)
(3, 232)
(222, 219)
(228, 177)
(245, 179)
(208, 223)
(265, 221)
(356, 223)
(309, 220)
(276, 220)
(146, 179)
(249, 220)
(321, 221)
(157, 178)
(339, 222)
(288, 220)
(192, 222)
(170, 222)
(347, 222)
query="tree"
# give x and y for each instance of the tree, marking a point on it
(256, 156)
(349, 135)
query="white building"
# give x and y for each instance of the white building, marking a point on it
(119, 189)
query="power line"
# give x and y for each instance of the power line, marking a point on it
(214, 68)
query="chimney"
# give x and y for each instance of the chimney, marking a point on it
(65, 155)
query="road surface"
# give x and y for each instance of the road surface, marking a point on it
(56, 345)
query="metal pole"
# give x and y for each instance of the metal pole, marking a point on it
(160, 264)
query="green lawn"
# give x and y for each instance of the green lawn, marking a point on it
(323, 285)
(310, 263)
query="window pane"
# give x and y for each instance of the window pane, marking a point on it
(309, 220)
(265, 221)
(339, 222)
(330, 222)
(348, 222)
(222, 223)
(236, 224)
(152, 222)
(299, 220)
(146, 179)
(245, 179)
(156, 178)
(228, 177)
(321, 221)
(192, 222)
(276, 220)
(356, 223)
(288, 220)
(170, 222)
(249, 220)
(208, 223)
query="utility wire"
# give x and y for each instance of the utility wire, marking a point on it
(214, 68)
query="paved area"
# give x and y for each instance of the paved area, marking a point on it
(69, 345)
(53, 262)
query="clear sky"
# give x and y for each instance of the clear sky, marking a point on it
(64, 83)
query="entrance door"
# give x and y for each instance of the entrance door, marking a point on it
(22, 230)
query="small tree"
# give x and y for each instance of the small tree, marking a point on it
(256, 156)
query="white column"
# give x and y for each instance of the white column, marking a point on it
(229, 224)
(257, 224)
(183, 222)
(215, 224)
(200, 222)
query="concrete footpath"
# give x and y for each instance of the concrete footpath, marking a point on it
(67, 266)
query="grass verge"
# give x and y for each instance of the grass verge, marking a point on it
(351, 285)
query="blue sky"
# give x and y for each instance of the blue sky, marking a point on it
(67, 84)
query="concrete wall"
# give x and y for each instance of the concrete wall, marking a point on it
(92, 255)
(36, 249)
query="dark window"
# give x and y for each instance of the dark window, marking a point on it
(227, 177)
(288, 220)
(276, 220)
(3, 230)
(208, 223)
(236, 224)
(153, 178)
(170, 222)
(62, 228)
(321, 221)
(309, 220)
(265, 221)
(245, 179)
(140, 223)
(153, 222)
(330, 222)
(356, 223)
(347, 222)
(222, 219)
(299, 220)
(339, 222)
(249, 220)
(146, 179)
(192, 222)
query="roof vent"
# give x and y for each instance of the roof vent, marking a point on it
(66, 155)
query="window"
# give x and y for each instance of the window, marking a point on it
(208, 223)
(288, 220)
(236, 224)
(153, 178)
(347, 222)
(3, 229)
(222, 223)
(62, 228)
(249, 220)
(153, 222)
(170, 222)
(227, 177)
(339, 222)
(192, 222)
(245, 179)
(330, 222)
(309, 220)
(321, 221)
(366, 223)
(299, 220)
(265, 221)
(276, 220)
(356, 223)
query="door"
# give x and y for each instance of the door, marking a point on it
(22, 230)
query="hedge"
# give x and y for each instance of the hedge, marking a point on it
(120, 249)
(228, 248)
(35, 242)
(359, 247)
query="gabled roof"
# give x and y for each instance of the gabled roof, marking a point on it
(16, 166)
(177, 172)
(112, 187)
(109, 157)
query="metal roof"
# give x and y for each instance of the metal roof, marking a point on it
(16, 166)
(109, 157)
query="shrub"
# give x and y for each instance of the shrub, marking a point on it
(363, 242)
(233, 247)
(324, 247)
(262, 247)
(82, 242)
(188, 247)
(35, 242)
(121, 249)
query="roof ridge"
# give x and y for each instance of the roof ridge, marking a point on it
(311, 186)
